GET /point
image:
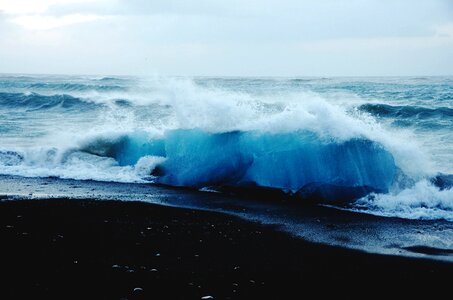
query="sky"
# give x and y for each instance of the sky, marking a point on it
(227, 37)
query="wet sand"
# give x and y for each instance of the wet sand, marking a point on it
(431, 239)
(88, 249)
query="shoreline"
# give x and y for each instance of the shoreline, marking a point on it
(431, 239)
(90, 249)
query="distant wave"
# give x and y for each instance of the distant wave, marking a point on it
(109, 79)
(105, 84)
(33, 101)
(75, 87)
(390, 111)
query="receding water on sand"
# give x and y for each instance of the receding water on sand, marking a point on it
(414, 238)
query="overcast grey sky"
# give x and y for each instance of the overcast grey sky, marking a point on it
(227, 37)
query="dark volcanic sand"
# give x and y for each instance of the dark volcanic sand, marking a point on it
(74, 249)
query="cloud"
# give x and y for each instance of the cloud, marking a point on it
(34, 14)
(49, 22)
(234, 37)
(23, 7)
(377, 43)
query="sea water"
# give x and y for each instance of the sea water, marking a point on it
(377, 145)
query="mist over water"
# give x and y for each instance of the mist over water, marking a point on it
(390, 138)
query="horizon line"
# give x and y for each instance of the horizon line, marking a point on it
(214, 75)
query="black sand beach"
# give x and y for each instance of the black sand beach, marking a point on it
(85, 249)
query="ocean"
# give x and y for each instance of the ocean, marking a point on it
(374, 145)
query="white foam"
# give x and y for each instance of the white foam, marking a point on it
(422, 201)
(147, 164)
(79, 165)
